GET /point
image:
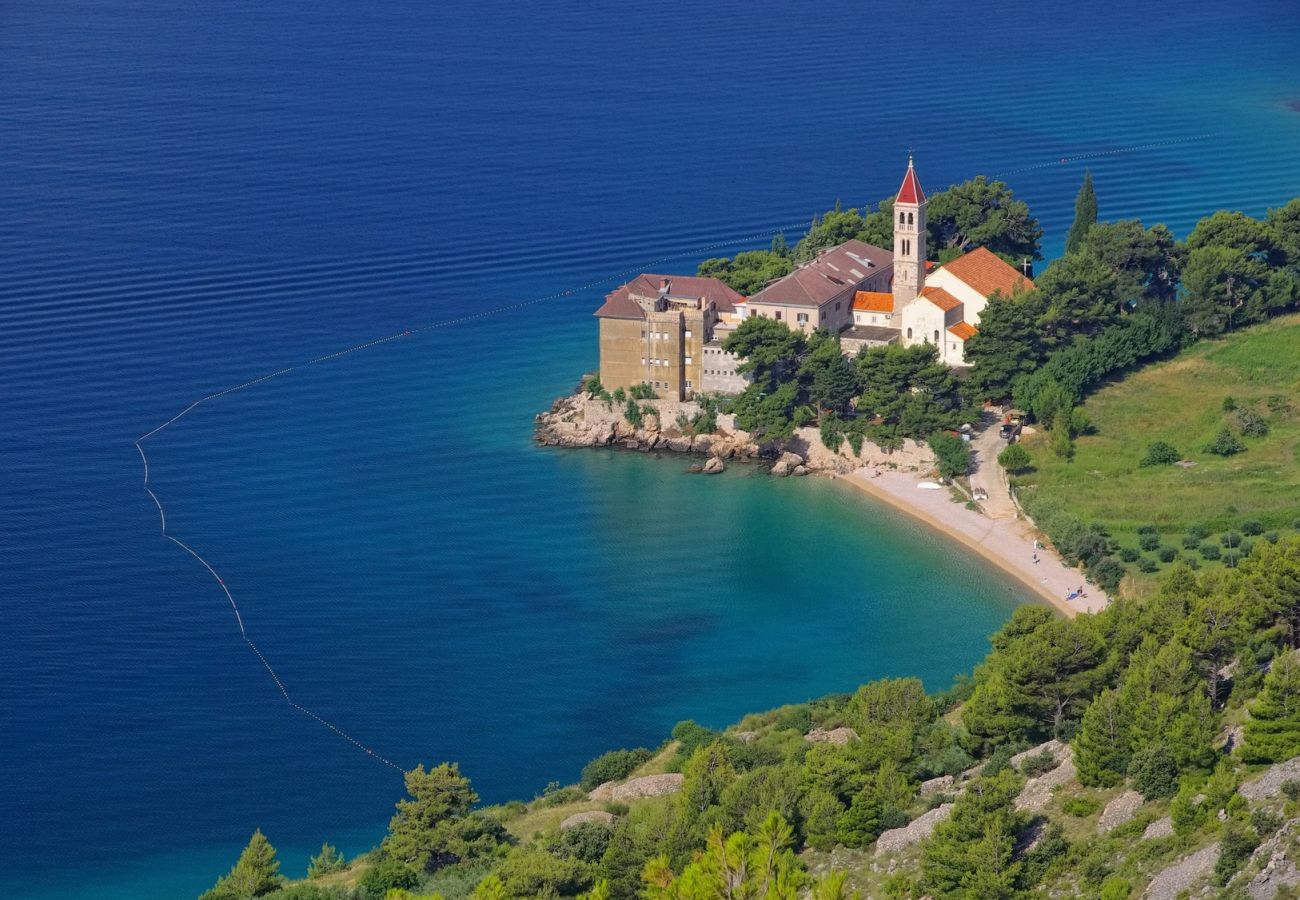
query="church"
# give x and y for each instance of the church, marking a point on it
(667, 331)
(927, 304)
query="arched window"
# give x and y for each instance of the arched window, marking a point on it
(936, 336)
(909, 334)
(901, 220)
(909, 218)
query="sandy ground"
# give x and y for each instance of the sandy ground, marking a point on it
(1005, 541)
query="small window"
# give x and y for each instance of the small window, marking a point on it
(752, 313)
(688, 362)
(801, 317)
(900, 217)
(778, 315)
(837, 305)
(909, 218)
(688, 337)
(936, 335)
(909, 334)
(689, 385)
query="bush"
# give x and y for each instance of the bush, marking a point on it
(1265, 822)
(1154, 773)
(1198, 531)
(1210, 551)
(1277, 403)
(1252, 527)
(1291, 789)
(1015, 458)
(384, 876)
(1191, 541)
(1252, 424)
(1229, 403)
(612, 766)
(952, 453)
(1272, 537)
(1149, 541)
(1128, 554)
(632, 413)
(1230, 539)
(1081, 807)
(642, 391)
(1159, 453)
(1147, 529)
(1235, 848)
(1038, 764)
(1147, 565)
(1167, 554)
(1225, 443)
(1231, 558)
(691, 736)
(1106, 572)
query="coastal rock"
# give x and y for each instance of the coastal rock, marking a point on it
(1119, 811)
(713, 466)
(680, 445)
(799, 470)
(1160, 828)
(791, 459)
(1183, 874)
(603, 791)
(594, 815)
(781, 468)
(695, 469)
(1037, 792)
(1270, 783)
(918, 829)
(701, 443)
(942, 784)
(632, 444)
(647, 786)
(837, 736)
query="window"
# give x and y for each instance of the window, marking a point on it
(642, 332)
(909, 218)
(688, 334)
(643, 360)
(752, 313)
(900, 217)
(837, 305)
(801, 317)
(778, 315)
(936, 336)
(909, 334)
(688, 362)
(688, 385)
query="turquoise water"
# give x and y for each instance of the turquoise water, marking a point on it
(195, 195)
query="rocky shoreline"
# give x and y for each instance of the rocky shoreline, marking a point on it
(583, 419)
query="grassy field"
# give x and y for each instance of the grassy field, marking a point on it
(1181, 401)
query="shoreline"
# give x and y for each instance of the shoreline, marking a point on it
(973, 533)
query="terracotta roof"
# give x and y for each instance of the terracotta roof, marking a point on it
(911, 191)
(962, 331)
(620, 305)
(837, 272)
(873, 301)
(940, 298)
(986, 272)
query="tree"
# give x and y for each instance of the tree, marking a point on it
(1272, 574)
(768, 348)
(256, 873)
(828, 378)
(828, 230)
(970, 854)
(1015, 459)
(1225, 443)
(328, 861)
(759, 865)
(612, 766)
(384, 877)
(1218, 283)
(1082, 298)
(1008, 344)
(1273, 730)
(1102, 747)
(751, 270)
(951, 452)
(1146, 261)
(1085, 214)
(424, 833)
(706, 775)
(1159, 453)
(981, 213)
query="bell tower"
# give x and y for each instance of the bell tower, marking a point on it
(909, 240)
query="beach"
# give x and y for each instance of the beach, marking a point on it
(1007, 542)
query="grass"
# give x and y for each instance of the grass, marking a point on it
(1181, 401)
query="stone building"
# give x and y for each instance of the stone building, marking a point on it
(653, 330)
(819, 294)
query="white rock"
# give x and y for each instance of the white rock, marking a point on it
(648, 786)
(595, 815)
(1119, 811)
(918, 829)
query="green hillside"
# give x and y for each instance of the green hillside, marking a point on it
(1245, 378)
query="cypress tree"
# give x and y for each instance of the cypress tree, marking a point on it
(1273, 732)
(1085, 214)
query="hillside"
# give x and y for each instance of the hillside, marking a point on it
(1185, 402)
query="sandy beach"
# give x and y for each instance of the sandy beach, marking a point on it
(1005, 541)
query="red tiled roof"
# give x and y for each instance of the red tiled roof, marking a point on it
(986, 272)
(962, 331)
(940, 298)
(620, 305)
(873, 301)
(837, 273)
(911, 191)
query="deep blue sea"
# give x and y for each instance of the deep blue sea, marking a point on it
(193, 194)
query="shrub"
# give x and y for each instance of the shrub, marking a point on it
(1210, 551)
(1265, 822)
(1277, 403)
(1291, 789)
(1230, 539)
(1252, 527)
(1229, 403)
(384, 876)
(1149, 541)
(593, 386)
(1115, 888)
(1225, 443)
(952, 452)
(1272, 537)
(1147, 565)
(1154, 773)
(1128, 554)
(1231, 558)
(1246, 547)
(1191, 541)
(612, 766)
(619, 396)
(1015, 458)
(1081, 807)
(1296, 524)
(691, 736)
(1159, 453)
(1106, 572)
(1147, 529)
(642, 391)
(1235, 847)
(1167, 554)
(1038, 764)
(1198, 531)
(632, 413)
(1252, 424)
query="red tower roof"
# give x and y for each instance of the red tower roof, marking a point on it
(911, 191)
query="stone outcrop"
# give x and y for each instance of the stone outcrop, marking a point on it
(1160, 828)
(595, 815)
(647, 786)
(1182, 875)
(1120, 810)
(714, 466)
(1037, 792)
(602, 792)
(940, 785)
(1276, 869)
(1055, 748)
(1270, 783)
(838, 736)
(787, 463)
(918, 829)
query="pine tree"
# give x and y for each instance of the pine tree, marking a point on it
(779, 246)
(327, 861)
(1273, 731)
(256, 873)
(1101, 748)
(1085, 214)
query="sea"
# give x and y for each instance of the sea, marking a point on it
(196, 194)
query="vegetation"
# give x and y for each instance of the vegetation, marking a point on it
(1085, 214)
